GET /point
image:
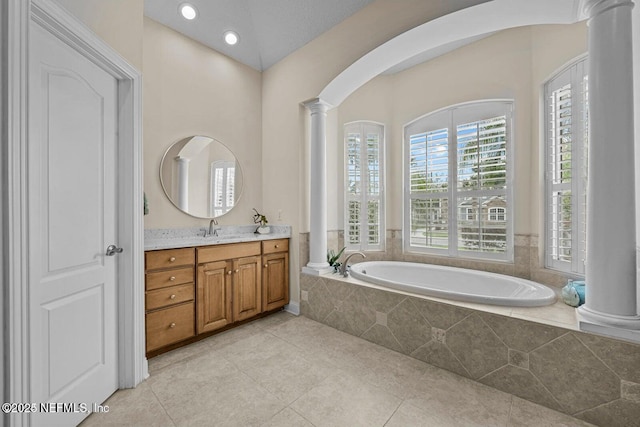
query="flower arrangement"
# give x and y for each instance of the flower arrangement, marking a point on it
(261, 219)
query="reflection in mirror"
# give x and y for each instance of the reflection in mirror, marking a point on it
(201, 177)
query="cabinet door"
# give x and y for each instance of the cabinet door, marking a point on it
(214, 296)
(247, 301)
(275, 281)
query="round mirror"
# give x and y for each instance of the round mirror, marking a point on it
(201, 177)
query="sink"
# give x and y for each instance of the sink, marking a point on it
(226, 237)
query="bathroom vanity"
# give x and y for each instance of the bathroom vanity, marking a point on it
(192, 292)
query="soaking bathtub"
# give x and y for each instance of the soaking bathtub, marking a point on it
(454, 283)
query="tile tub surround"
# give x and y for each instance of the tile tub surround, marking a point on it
(592, 378)
(169, 238)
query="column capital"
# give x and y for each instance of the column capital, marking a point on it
(591, 8)
(317, 105)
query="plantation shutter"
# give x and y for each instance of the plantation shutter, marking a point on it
(428, 168)
(364, 203)
(566, 168)
(222, 187)
(482, 184)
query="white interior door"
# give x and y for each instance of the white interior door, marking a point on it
(72, 175)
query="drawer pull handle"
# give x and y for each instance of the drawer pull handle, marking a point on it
(237, 271)
(229, 272)
(277, 246)
(172, 259)
(173, 325)
(172, 278)
(172, 296)
(266, 266)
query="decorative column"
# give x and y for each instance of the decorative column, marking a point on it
(611, 292)
(183, 182)
(318, 188)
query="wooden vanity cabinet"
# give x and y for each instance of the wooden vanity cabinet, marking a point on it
(193, 291)
(169, 297)
(229, 284)
(275, 275)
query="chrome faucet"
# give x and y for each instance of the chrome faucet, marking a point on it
(212, 231)
(344, 267)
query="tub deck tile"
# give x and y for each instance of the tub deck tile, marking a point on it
(533, 352)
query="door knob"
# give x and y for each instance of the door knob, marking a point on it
(113, 249)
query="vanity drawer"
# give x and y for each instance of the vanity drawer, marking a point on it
(225, 252)
(162, 279)
(155, 260)
(273, 246)
(170, 325)
(169, 296)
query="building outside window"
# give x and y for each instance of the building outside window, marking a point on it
(566, 148)
(364, 192)
(457, 160)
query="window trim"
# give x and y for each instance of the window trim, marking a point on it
(468, 112)
(365, 198)
(576, 267)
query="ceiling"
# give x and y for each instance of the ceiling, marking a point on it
(269, 30)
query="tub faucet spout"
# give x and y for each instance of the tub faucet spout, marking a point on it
(344, 268)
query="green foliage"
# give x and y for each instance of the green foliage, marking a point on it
(332, 258)
(258, 218)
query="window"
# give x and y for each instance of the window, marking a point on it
(457, 181)
(364, 201)
(497, 214)
(566, 143)
(466, 214)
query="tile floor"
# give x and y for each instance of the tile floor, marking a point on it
(285, 370)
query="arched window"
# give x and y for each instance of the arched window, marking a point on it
(364, 186)
(457, 160)
(566, 142)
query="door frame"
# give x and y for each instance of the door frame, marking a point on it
(15, 18)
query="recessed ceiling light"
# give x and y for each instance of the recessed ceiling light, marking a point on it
(231, 37)
(188, 11)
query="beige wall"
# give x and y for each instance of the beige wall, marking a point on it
(117, 22)
(190, 89)
(301, 76)
(512, 64)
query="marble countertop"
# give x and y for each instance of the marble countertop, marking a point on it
(170, 238)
